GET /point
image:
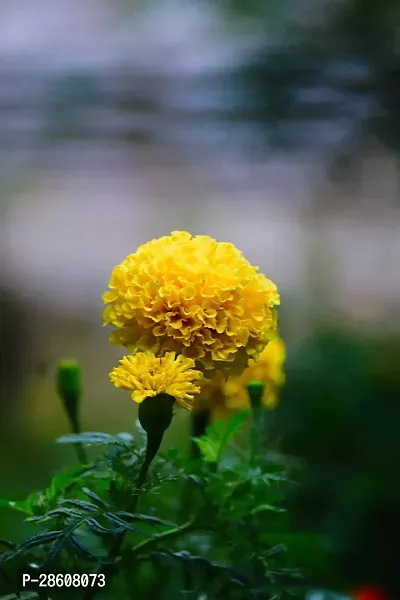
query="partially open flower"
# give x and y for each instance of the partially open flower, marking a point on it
(194, 296)
(147, 376)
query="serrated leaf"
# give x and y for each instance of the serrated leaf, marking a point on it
(218, 435)
(145, 519)
(61, 481)
(61, 542)
(98, 529)
(56, 513)
(125, 437)
(127, 526)
(102, 503)
(209, 448)
(38, 540)
(82, 504)
(141, 432)
(89, 437)
(83, 553)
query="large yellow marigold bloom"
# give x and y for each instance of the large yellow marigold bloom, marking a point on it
(194, 296)
(221, 396)
(147, 375)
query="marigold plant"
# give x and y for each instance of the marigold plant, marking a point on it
(185, 307)
(194, 296)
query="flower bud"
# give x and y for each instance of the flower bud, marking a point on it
(155, 416)
(69, 388)
(255, 389)
(155, 413)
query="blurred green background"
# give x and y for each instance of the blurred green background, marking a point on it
(274, 125)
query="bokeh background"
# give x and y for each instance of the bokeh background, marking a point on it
(273, 125)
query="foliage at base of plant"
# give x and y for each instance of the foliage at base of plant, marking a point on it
(201, 528)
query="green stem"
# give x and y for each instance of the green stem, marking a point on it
(257, 432)
(154, 439)
(81, 454)
(151, 451)
(200, 422)
(167, 535)
(79, 449)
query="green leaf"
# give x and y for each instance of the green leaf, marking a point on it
(218, 435)
(95, 498)
(234, 424)
(18, 505)
(87, 438)
(145, 519)
(38, 540)
(61, 542)
(127, 526)
(56, 514)
(141, 433)
(125, 437)
(61, 481)
(26, 506)
(267, 508)
(208, 447)
(98, 529)
(83, 553)
(82, 504)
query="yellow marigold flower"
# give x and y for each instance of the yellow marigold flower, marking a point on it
(147, 376)
(222, 396)
(194, 296)
(269, 369)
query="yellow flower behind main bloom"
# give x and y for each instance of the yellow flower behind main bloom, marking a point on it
(147, 376)
(193, 296)
(221, 396)
(268, 369)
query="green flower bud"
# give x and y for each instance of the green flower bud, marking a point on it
(155, 416)
(255, 389)
(155, 413)
(69, 388)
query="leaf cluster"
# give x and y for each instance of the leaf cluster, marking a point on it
(205, 527)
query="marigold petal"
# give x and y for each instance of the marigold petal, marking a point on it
(200, 297)
(147, 375)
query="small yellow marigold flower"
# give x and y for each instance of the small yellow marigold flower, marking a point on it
(194, 296)
(220, 395)
(147, 375)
